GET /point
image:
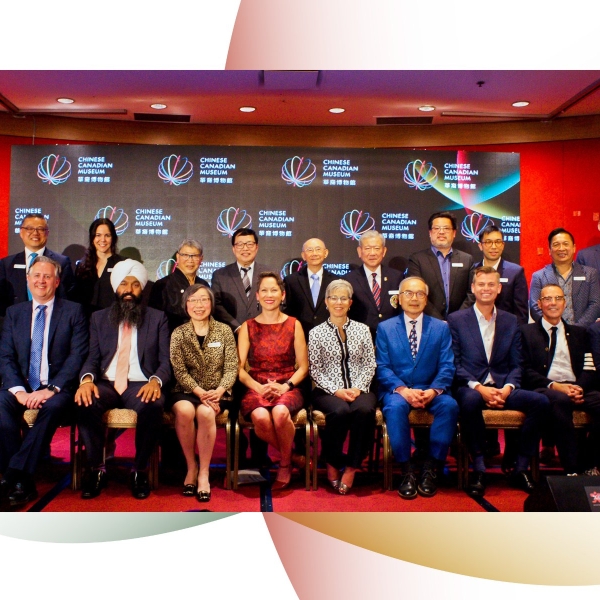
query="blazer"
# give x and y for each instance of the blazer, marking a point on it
(363, 309)
(425, 264)
(299, 302)
(433, 367)
(232, 306)
(585, 296)
(469, 353)
(67, 345)
(13, 278)
(590, 257)
(536, 365)
(210, 366)
(152, 344)
(514, 295)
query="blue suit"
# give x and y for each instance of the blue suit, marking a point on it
(67, 348)
(590, 257)
(504, 367)
(432, 368)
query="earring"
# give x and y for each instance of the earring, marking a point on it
(258, 306)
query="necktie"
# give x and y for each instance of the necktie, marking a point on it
(32, 257)
(246, 281)
(37, 343)
(376, 291)
(552, 348)
(314, 288)
(412, 339)
(123, 360)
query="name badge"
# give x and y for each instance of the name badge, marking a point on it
(503, 279)
(109, 270)
(214, 345)
(392, 292)
(20, 266)
(457, 265)
(579, 278)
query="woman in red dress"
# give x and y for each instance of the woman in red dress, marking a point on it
(273, 345)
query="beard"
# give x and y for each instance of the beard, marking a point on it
(127, 310)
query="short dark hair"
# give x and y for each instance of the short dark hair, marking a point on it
(273, 275)
(442, 215)
(243, 231)
(191, 290)
(485, 270)
(555, 232)
(32, 215)
(489, 229)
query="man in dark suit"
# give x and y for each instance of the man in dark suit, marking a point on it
(487, 354)
(513, 296)
(557, 362)
(305, 289)
(446, 271)
(127, 367)
(579, 283)
(13, 269)
(375, 296)
(415, 366)
(44, 343)
(590, 257)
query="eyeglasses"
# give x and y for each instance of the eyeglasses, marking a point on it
(441, 229)
(249, 245)
(31, 230)
(336, 299)
(202, 301)
(318, 249)
(548, 299)
(489, 243)
(410, 295)
(192, 256)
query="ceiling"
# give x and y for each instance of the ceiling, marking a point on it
(303, 97)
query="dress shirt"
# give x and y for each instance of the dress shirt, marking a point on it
(487, 330)
(494, 266)
(445, 263)
(28, 254)
(566, 285)
(418, 327)
(319, 274)
(250, 271)
(560, 369)
(369, 275)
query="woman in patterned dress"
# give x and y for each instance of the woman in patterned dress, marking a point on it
(274, 347)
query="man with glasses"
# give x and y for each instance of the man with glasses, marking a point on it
(579, 283)
(557, 362)
(446, 270)
(375, 297)
(167, 292)
(13, 269)
(415, 367)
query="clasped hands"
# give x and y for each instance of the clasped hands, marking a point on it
(210, 398)
(416, 398)
(35, 399)
(573, 391)
(349, 395)
(494, 397)
(272, 390)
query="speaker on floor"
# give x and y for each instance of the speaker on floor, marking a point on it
(565, 494)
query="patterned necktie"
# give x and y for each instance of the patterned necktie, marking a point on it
(412, 339)
(314, 288)
(37, 343)
(246, 281)
(376, 291)
(32, 257)
(123, 360)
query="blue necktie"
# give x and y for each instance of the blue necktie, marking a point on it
(412, 339)
(314, 289)
(37, 342)
(32, 257)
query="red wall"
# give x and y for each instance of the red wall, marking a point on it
(557, 179)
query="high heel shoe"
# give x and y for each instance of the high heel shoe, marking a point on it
(203, 496)
(279, 484)
(343, 489)
(335, 483)
(189, 489)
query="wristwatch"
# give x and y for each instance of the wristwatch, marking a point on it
(53, 388)
(290, 383)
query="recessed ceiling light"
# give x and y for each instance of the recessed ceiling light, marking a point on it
(65, 100)
(247, 108)
(337, 111)
(158, 106)
(520, 104)
(426, 108)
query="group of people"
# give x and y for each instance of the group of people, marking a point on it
(450, 336)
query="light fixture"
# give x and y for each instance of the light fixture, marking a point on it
(158, 106)
(65, 100)
(337, 111)
(426, 108)
(520, 103)
(247, 109)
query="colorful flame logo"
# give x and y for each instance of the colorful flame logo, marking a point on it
(298, 171)
(231, 219)
(420, 175)
(165, 268)
(290, 267)
(116, 215)
(355, 223)
(473, 225)
(54, 169)
(175, 170)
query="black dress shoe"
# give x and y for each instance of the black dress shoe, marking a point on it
(476, 485)
(22, 494)
(203, 496)
(94, 482)
(4, 490)
(522, 480)
(408, 487)
(140, 486)
(428, 483)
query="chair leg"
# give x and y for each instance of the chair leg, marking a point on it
(236, 457)
(307, 472)
(228, 455)
(387, 459)
(75, 458)
(315, 453)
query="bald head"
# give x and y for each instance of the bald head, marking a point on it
(314, 253)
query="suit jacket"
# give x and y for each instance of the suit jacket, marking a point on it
(67, 345)
(433, 367)
(590, 257)
(13, 278)
(425, 264)
(513, 297)
(363, 309)
(585, 295)
(152, 345)
(231, 304)
(536, 365)
(299, 302)
(469, 353)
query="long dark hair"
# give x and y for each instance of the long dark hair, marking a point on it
(86, 267)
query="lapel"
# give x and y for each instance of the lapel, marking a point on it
(425, 332)
(498, 339)
(24, 328)
(142, 336)
(236, 277)
(473, 329)
(571, 352)
(456, 257)
(364, 282)
(403, 335)
(54, 320)
(19, 276)
(577, 272)
(435, 268)
(303, 278)
(501, 268)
